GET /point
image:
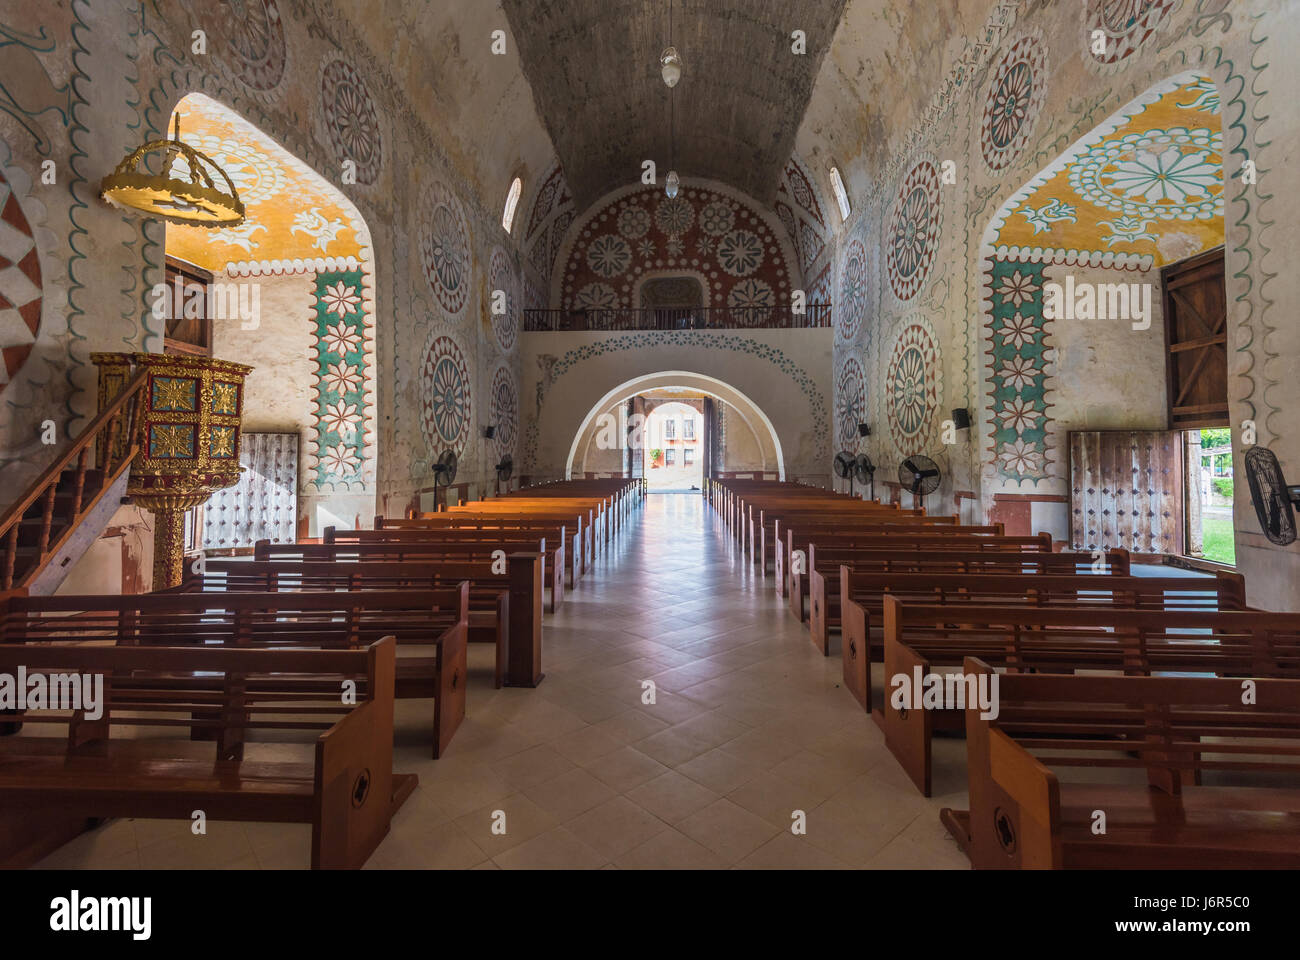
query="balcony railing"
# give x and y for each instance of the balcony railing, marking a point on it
(782, 316)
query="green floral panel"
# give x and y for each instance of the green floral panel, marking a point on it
(341, 376)
(1020, 353)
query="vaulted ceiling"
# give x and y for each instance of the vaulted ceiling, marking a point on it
(594, 70)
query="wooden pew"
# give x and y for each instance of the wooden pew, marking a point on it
(587, 517)
(436, 620)
(923, 538)
(769, 526)
(828, 587)
(501, 532)
(421, 550)
(1128, 632)
(1186, 774)
(118, 765)
(766, 521)
(830, 546)
(493, 609)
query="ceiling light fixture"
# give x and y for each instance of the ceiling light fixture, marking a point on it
(671, 66)
(184, 192)
(672, 72)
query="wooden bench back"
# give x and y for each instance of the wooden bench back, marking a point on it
(1109, 633)
(262, 619)
(1172, 729)
(434, 546)
(1223, 591)
(222, 691)
(916, 558)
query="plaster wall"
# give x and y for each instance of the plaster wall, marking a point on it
(784, 373)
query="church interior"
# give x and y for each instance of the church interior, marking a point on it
(831, 434)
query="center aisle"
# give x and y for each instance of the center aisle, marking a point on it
(749, 723)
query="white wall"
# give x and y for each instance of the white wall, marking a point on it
(785, 373)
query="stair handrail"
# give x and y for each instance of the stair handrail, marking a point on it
(108, 420)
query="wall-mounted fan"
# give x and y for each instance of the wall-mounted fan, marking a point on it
(865, 472)
(920, 476)
(504, 470)
(444, 473)
(1271, 495)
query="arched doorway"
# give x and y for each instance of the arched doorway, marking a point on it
(1100, 357)
(290, 291)
(732, 435)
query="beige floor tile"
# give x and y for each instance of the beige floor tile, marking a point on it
(719, 770)
(499, 826)
(672, 797)
(616, 826)
(625, 769)
(789, 852)
(670, 850)
(556, 849)
(776, 799)
(730, 831)
(571, 793)
(445, 847)
(631, 726)
(532, 766)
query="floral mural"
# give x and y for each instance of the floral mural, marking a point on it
(444, 396)
(1019, 357)
(914, 387)
(343, 334)
(737, 252)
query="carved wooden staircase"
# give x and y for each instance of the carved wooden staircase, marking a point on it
(44, 521)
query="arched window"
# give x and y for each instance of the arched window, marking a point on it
(512, 201)
(841, 195)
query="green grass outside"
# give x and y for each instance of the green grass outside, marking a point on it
(1216, 540)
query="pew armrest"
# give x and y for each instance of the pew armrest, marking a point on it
(1029, 817)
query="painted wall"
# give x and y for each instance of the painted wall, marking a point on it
(740, 254)
(340, 88)
(977, 100)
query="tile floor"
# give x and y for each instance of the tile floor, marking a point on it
(750, 723)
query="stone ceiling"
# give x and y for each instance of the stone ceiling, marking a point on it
(594, 70)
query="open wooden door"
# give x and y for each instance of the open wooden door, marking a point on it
(1126, 490)
(1196, 335)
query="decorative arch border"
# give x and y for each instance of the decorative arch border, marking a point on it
(686, 338)
(1015, 385)
(315, 478)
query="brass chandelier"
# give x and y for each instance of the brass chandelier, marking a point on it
(188, 195)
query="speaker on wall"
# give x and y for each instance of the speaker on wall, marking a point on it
(489, 432)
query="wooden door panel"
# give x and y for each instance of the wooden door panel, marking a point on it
(1196, 337)
(1126, 490)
